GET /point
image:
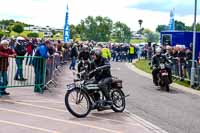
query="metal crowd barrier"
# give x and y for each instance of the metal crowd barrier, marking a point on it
(54, 68)
(27, 71)
(182, 70)
(18, 72)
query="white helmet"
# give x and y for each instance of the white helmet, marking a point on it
(158, 50)
(4, 42)
(85, 46)
(20, 38)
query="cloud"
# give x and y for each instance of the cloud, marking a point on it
(182, 7)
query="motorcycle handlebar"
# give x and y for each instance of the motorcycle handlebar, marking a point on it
(100, 68)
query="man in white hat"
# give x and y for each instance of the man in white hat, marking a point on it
(20, 51)
(5, 53)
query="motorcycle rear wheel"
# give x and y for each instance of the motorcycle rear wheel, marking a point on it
(119, 102)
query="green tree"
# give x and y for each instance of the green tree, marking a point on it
(188, 28)
(81, 30)
(121, 32)
(151, 36)
(161, 28)
(180, 26)
(18, 28)
(146, 31)
(97, 29)
(197, 26)
(7, 22)
(104, 29)
(53, 32)
(33, 35)
(73, 31)
(1, 34)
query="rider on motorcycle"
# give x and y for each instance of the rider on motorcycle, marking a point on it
(156, 60)
(103, 76)
(83, 57)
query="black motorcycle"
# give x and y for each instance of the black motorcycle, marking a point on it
(163, 77)
(84, 95)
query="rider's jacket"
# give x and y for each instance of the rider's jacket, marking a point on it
(131, 50)
(101, 74)
(106, 53)
(157, 59)
(84, 55)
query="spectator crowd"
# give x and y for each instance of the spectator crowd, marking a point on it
(57, 52)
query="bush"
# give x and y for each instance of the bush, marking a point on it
(1, 34)
(35, 35)
(18, 28)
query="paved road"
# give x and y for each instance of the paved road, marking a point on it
(175, 112)
(28, 112)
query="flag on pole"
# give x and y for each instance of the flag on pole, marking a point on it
(66, 35)
(172, 22)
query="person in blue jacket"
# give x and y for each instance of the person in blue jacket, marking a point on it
(39, 62)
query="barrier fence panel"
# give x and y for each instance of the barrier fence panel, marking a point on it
(22, 71)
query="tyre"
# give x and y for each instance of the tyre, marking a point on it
(77, 102)
(166, 82)
(167, 87)
(118, 99)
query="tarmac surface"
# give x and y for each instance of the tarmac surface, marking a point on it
(176, 112)
(29, 112)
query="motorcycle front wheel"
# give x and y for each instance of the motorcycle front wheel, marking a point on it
(77, 102)
(118, 99)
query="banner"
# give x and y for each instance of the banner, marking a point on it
(66, 35)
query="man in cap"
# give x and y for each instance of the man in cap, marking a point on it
(5, 53)
(20, 51)
(39, 62)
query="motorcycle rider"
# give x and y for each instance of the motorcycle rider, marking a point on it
(156, 60)
(102, 77)
(83, 56)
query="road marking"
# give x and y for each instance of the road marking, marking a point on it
(60, 120)
(60, 110)
(27, 126)
(39, 101)
(146, 124)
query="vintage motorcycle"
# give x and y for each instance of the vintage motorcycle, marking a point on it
(84, 95)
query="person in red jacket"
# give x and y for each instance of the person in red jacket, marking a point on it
(5, 53)
(29, 50)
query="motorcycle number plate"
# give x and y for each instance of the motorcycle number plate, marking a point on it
(70, 86)
(162, 66)
(164, 74)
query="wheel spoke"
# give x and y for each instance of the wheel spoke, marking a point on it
(78, 102)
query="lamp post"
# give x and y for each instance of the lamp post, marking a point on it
(194, 44)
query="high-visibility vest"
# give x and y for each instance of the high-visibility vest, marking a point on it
(131, 50)
(106, 53)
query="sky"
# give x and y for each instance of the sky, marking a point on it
(52, 12)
